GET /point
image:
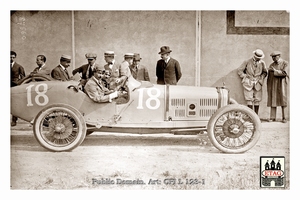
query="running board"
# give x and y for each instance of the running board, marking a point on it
(188, 131)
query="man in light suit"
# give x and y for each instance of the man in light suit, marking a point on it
(41, 66)
(168, 69)
(17, 72)
(118, 72)
(253, 72)
(96, 90)
(60, 72)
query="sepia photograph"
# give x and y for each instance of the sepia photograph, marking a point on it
(149, 99)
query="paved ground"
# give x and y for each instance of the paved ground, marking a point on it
(106, 161)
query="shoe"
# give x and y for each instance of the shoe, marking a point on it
(284, 121)
(13, 123)
(271, 120)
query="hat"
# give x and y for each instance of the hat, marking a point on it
(65, 57)
(98, 68)
(165, 49)
(137, 57)
(275, 53)
(109, 53)
(129, 55)
(258, 54)
(90, 55)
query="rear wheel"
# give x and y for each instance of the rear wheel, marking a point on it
(59, 128)
(234, 128)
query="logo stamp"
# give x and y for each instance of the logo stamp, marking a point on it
(272, 174)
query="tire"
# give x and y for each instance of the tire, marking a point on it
(232, 101)
(234, 128)
(59, 128)
(34, 78)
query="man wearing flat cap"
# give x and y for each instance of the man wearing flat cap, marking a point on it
(168, 69)
(253, 72)
(86, 70)
(277, 82)
(138, 71)
(60, 72)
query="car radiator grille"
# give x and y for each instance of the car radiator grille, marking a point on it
(193, 109)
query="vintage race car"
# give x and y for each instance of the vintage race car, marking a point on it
(62, 115)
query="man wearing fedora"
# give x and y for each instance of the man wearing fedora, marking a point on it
(60, 72)
(277, 82)
(86, 70)
(253, 72)
(168, 69)
(139, 72)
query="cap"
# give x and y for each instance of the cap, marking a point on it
(129, 55)
(109, 53)
(275, 53)
(65, 57)
(98, 68)
(90, 55)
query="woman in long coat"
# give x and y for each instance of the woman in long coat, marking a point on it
(277, 85)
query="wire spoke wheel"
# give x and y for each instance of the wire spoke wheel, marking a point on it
(234, 129)
(59, 128)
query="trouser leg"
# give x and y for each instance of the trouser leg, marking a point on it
(250, 106)
(273, 113)
(14, 118)
(283, 111)
(256, 108)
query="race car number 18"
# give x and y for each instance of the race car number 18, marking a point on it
(153, 97)
(41, 98)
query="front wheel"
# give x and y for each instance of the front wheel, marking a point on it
(59, 128)
(234, 128)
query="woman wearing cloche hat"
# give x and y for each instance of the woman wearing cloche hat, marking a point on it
(253, 72)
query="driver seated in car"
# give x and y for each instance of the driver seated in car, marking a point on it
(96, 89)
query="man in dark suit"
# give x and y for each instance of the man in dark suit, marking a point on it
(17, 72)
(87, 70)
(168, 69)
(60, 72)
(138, 71)
(41, 66)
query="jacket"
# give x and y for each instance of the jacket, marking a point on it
(168, 73)
(59, 74)
(140, 73)
(17, 72)
(252, 76)
(96, 90)
(44, 70)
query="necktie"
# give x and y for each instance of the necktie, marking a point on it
(67, 73)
